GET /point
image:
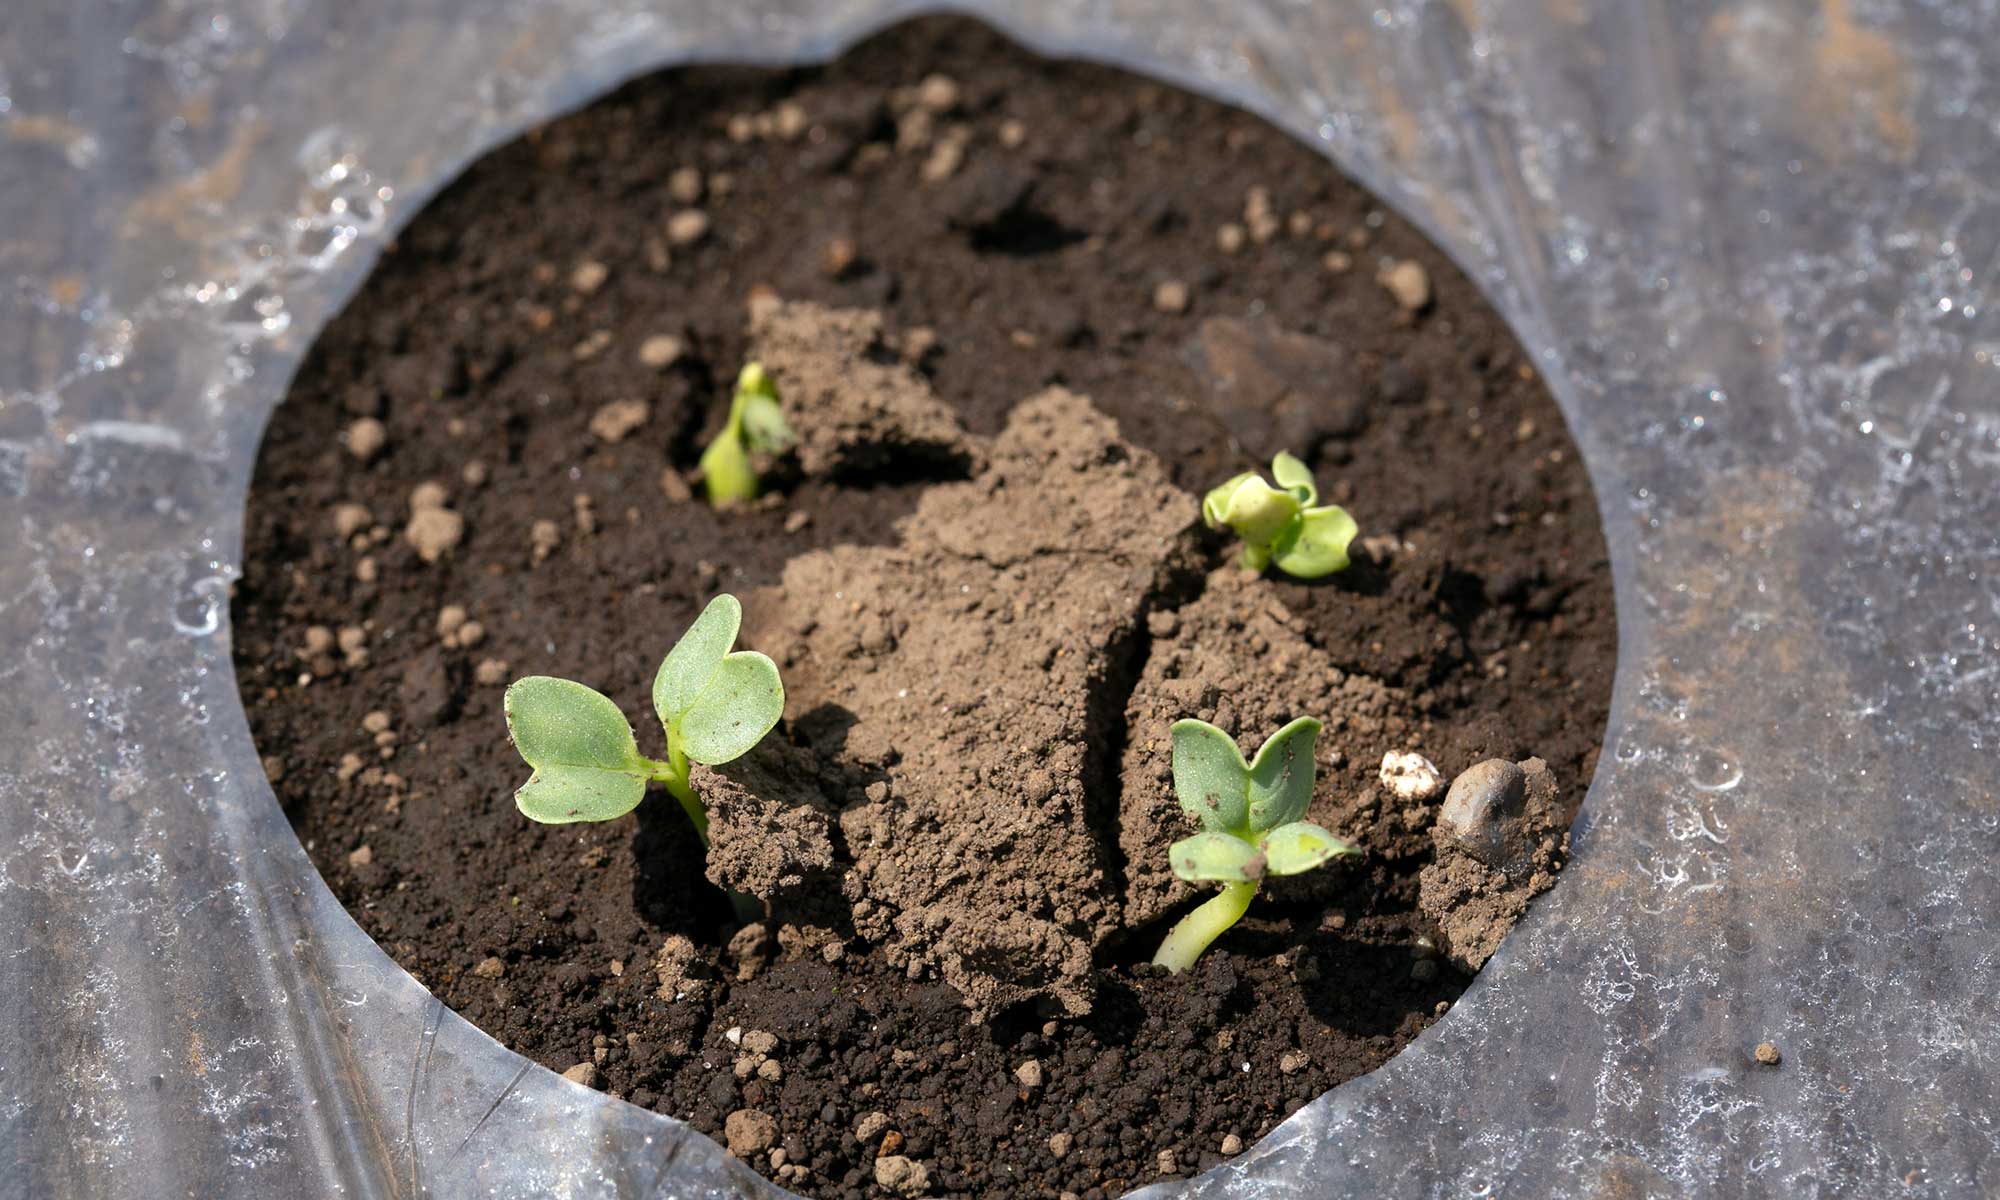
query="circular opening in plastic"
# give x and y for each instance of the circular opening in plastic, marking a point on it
(1023, 314)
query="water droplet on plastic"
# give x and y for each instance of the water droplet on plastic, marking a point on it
(1713, 771)
(198, 612)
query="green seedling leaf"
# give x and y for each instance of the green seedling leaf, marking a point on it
(587, 764)
(1319, 547)
(1216, 858)
(560, 795)
(716, 704)
(1281, 524)
(1261, 803)
(1210, 777)
(743, 699)
(755, 407)
(1294, 477)
(1299, 847)
(726, 473)
(1281, 777)
(756, 425)
(1259, 513)
(1216, 502)
(686, 669)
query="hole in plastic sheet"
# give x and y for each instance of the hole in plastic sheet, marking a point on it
(388, 373)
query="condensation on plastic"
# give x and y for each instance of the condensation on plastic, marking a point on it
(1751, 245)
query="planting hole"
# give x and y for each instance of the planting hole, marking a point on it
(1023, 315)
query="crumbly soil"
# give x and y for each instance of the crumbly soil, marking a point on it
(1049, 304)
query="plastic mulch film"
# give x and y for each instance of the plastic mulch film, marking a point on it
(1751, 245)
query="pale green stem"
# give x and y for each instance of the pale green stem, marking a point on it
(1255, 558)
(676, 778)
(674, 773)
(1194, 932)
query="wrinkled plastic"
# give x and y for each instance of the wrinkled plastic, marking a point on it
(1751, 245)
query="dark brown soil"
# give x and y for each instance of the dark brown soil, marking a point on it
(1014, 236)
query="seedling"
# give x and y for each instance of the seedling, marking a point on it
(756, 426)
(714, 703)
(1250, 826)
(1286, 524)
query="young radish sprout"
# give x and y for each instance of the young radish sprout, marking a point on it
(756, 427)
(1250, 826)
(714, 703)
(1286, 524)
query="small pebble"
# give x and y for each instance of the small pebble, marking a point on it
(1059, 1144)
(1166, 1162)
(589, 276)
(675, 486)
(615, 420)
(474, 474)
(449, 619)
(366, 571)
(1408, 282)
(350, 519)
(490, 968)
(661, 350)
(1482, 811)
(1230, 238)
(361, 857)
(1171, 296)
(490, 671)
(796, 520)
(1409, 775)
(938, 93)
(365, 438)
(433, 532)
(1012, 133)
(945, 159)
(1293, 1062)
(685, 185)
(1030, 1073)
(428, 494)
(1258, 217)
(913, 130)
(376, 722)
(544, 536)
(789, 120)
(1339, 262)
(747, 1132)
(870, 1126)
(899, 1174)
(1231, 1145)
(836, 257)
(1768, 1054)
(687, 227)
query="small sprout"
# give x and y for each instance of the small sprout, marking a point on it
(1286, 524)
(1250, 826)
(756, 426)
(714, 703)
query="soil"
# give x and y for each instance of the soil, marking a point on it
(1030, 310)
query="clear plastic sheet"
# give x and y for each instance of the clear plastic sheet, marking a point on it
(1751, 243)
